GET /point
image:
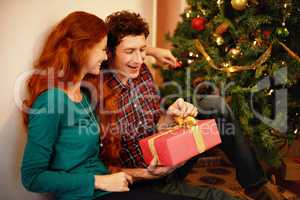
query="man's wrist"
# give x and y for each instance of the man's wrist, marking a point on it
(150, 51)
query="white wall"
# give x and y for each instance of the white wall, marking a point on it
(23, 25)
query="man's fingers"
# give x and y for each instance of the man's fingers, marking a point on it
(195, 111)
(175, 112)
(154, 162)
(129, 178)
(170, 59)
(181, 108)
(153, 165)
(190, 110)
(185, 110)
(124, 189)
(169, 62)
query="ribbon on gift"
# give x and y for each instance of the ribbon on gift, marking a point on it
(188, 122)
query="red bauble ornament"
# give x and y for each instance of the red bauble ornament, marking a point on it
(267, 34)
(178, 64)
(198, 23)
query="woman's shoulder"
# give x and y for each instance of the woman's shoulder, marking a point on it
(50, 98)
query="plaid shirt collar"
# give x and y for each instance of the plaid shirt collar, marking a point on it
(115, 83)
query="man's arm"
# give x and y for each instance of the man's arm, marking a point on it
(163, 56)
(138, 174)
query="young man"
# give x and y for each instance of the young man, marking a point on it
(138, 113)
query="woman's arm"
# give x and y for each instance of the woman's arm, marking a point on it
(43, 129)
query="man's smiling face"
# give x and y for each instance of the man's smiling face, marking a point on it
(129, 57)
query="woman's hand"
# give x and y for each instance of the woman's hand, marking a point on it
(180, 108)
(118, 182)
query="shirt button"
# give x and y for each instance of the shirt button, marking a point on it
(101, 145)
(134, 105)
(140, 122)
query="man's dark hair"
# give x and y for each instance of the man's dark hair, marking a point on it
(123, 23)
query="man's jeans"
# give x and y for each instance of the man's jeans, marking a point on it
(248, 170)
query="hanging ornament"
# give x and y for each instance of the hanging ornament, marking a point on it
(178, 63)
(198, 23)
(219, 40)
(235, 52)
(226, 64)
(282, 32)
(239, 4)
(266, 34)
(222, 28)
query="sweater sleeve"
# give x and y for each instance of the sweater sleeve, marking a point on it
(43, 130)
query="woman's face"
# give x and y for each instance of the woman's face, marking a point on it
(96, 56)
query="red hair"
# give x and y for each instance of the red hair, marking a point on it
(106, 109)
(64, 53)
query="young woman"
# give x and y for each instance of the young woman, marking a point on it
(62, 151)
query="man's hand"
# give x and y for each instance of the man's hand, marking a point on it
(139, 174)
(156, 170)
(163, 56)
(181, 108)
(160, 171)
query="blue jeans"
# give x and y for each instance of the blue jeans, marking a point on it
(248, 170)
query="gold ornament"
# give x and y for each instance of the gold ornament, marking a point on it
(222, 28)
(239, 4)
(235, 52)
(226, 64)
(219, 39)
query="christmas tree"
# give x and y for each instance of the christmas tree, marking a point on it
(249, 47)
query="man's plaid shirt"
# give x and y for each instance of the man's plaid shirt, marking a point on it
(138, 114)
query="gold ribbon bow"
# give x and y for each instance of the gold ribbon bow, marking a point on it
(188, 122)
